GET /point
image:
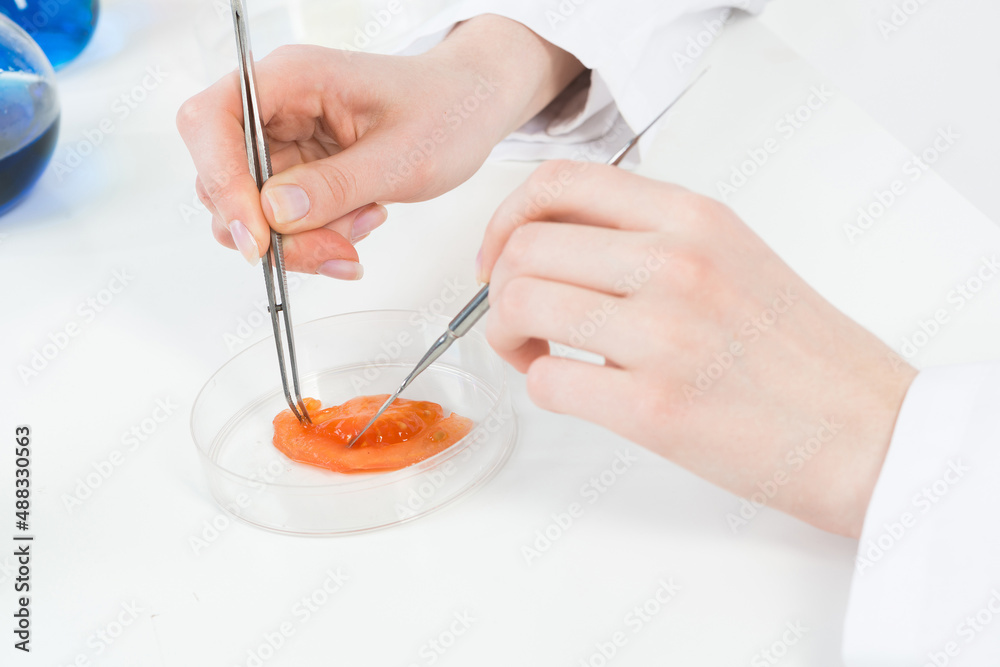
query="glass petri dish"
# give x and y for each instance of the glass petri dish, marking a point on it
(341, 357)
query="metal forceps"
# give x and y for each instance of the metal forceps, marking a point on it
(259, 158)
(477, 307)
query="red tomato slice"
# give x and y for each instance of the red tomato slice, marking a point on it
(406, 433)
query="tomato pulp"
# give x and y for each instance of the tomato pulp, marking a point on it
(408, 432)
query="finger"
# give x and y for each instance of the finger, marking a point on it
(580, 193)
(599, 394)
(211, 124)
(203, 197)
(327, 250)
(313, 194)
(321, 251)
(528, 309)
(608, 260)
(359, 223)
(222, 234)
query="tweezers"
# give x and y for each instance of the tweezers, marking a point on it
(259, 159)
(477, 307)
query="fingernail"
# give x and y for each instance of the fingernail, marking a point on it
(479, 266)
(288, 203)
(342, 269)
(245, 242)
(369, 218)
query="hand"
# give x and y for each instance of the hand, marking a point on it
(719, 356)
(349, 130)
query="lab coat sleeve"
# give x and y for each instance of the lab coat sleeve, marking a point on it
(641, 53)
(926, 586)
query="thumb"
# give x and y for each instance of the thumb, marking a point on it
(312, 194)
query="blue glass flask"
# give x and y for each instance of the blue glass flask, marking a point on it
(29, 113)
(61, 27)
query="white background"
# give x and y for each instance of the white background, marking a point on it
(128, 207)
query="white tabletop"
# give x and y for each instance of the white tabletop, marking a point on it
(452, 588)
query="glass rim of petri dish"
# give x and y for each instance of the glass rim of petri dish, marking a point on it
(343, 482)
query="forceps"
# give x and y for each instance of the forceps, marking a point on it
(477, 307)
(259, 159)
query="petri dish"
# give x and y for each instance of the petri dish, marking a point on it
(341, 357)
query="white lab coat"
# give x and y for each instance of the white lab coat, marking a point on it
(926, 588)
(642, 53)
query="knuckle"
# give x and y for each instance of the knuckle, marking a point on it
(285, 51)
(700, 211)
(203, 195)
(517, 252)
(540, 385)
(546, 183)
(688, 271)
(550, 170)
(341, 185)
(220, 192)
(189, 114)
(511, 301)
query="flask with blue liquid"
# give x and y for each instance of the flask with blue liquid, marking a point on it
(61, 27)
(29, 113)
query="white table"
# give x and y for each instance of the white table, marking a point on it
(452, 588)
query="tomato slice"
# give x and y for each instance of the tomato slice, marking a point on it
(406, 433)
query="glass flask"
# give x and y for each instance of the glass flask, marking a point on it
(61, 27)
(29, 113)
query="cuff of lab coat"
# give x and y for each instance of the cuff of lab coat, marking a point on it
(930, 547)
(631, 81)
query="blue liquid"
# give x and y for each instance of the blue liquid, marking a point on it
(19, 171)
(29, 126)
(61, 27)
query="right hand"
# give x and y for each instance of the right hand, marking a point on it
(348, 131)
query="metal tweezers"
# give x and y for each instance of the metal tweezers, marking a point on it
(477, 307)
(259, 159)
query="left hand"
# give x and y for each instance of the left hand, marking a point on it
(719, 356)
